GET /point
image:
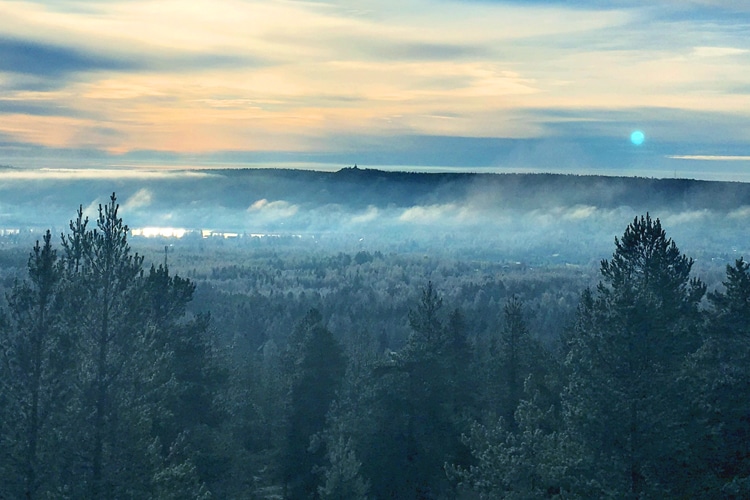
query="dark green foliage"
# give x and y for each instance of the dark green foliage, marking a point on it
(113, 383)
(515, 356)
(533, 458)
(630, 343)
(720, 379)
(189, 371)
(425, 322)
(341, 477)
(419, 399)
(512, 346)
(176, 476)
(526, 452)
(103, 378)
(316, 366)
(104, 280)
(461, 394)
(35, 366)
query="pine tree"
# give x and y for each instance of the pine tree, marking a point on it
(519, 355)
(511, 357)
(534, 458)
(515, 335)
(457, 357)
(34, 377)
(350, 433)
(187, 378)
(140, 364)
(103, 378)
(317, 365)
(176, 476)
(720, 385)
(425, 322)
(417, 398)
(631, 340)
(341, 476)
(105, 280)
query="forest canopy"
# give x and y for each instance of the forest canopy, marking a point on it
(369, 375)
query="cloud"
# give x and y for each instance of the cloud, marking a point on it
(368, 215)
(718, 51)
(53, 61)
(39, 107)
(712, 9)
(449, 213)
(430, 213)
(92, 210)
(686, 217)
(709, 157)
(32, 174)
(142, 198)
(278, 209)
(410, 50)
(579, 212)
(740, 213)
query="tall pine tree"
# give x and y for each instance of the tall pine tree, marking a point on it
(316, 366)
(720, 390)
(138, 364)
(104, 279)
(35, 371)
(417, 398)
(630, 343)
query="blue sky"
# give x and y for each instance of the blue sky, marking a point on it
(502, 85)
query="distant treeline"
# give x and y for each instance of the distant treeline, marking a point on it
(193, 196)
(360, 187)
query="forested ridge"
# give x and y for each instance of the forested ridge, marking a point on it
(192, 197)
(363, 375)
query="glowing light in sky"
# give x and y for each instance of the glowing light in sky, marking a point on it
(637, 137)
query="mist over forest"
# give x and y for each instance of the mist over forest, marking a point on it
(510, 216)
(369, 334)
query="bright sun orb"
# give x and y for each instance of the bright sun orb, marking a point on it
(637, 137)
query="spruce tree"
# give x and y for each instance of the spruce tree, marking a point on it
(518, 356)
(341, 475)
(534, 458)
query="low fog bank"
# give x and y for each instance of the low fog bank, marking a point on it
(535, 218)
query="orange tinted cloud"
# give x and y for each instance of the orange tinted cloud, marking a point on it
(219, 75)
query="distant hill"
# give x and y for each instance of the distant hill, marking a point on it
(543, 190)
(547, 217)
(357, 187)
(52, 199)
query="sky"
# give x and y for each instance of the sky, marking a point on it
(481, 85)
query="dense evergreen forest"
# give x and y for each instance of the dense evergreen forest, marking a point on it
(281, 373)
